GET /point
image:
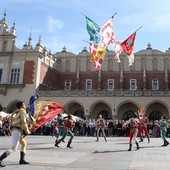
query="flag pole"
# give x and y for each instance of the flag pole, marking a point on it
(114, 15)
(138, 28)
(86, 41)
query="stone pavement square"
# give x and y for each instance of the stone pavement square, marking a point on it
(87, 154)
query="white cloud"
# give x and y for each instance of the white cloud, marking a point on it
(54, 24)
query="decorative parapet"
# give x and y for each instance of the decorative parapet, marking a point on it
(102, 93)
(5, 87)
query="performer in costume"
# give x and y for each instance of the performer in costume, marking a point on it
(60, 127)
(143, 122)
(68, 126)
(133, 125)
(163, 127)
(19, 122)
(101, 124)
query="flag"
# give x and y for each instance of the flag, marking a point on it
(93, 50)
(118, 51)
(107, 34)
(94, 30)
(45, 111)
(32, 100)
(99, 57)
(128, 47)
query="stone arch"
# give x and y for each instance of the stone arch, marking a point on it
(126, 109)
(75, 108)
(156, 109)
(11, 106)
(100, 107)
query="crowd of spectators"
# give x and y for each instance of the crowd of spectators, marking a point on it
(86, 128)
(113, 128)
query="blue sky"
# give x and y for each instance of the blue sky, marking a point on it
(61, 23)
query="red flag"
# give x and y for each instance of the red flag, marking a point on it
(128, 45)
(98, 63)
(45, 111)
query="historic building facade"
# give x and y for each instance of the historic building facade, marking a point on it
(116, 91)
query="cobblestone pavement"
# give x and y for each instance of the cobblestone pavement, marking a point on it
(87, 154)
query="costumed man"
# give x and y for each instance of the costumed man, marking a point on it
(163, 128)
(101, 124)
(133, 125)
(60, 127)
(68, 127)
(19, 122)
(143, 122)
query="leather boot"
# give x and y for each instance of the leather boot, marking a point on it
(130, 147)
(22, 158)
(137, 144)
(141, 139)
(69, 143)
(57, 142)
(167, 143)
(3, 156)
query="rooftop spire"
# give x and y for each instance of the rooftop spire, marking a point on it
(29, 39)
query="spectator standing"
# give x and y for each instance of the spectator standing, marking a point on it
(101, 125)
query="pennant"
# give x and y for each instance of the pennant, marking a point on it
(107, 34)
(94, 30)
(44, 112)
(128, 47)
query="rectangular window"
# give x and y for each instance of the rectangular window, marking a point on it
(155, 84)
(88, 84)
(67, 84)
(133, 84)
(1, 70)
(15, 74)
(110, 84)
